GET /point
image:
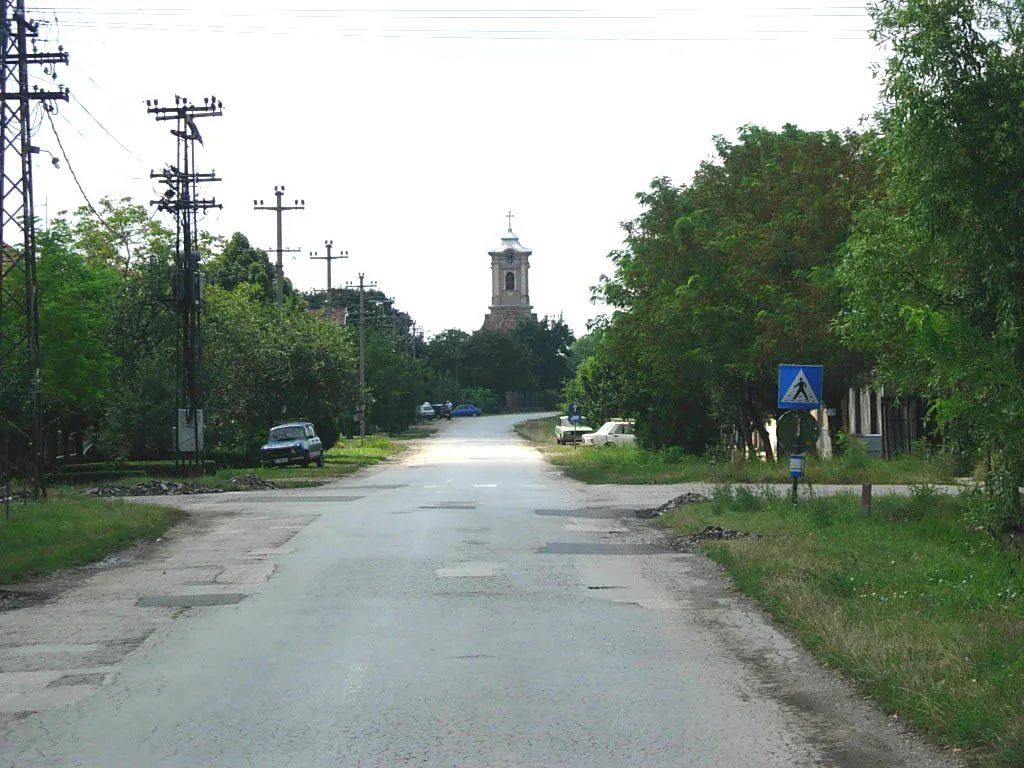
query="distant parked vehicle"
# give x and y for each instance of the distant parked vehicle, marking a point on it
(569, 432)
(466, 409)
(442, 411)
(293, 442)
(426, 411)
(616, 432)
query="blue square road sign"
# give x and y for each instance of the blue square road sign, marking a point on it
(800, 387)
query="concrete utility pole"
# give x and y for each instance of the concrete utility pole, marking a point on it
(181, 199)
(300, 205)
(362, 352)
(329, 258)
(413, 329)
(21, 429)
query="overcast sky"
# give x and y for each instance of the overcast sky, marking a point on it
(411, 128)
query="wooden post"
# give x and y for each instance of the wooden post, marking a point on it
(865, 500)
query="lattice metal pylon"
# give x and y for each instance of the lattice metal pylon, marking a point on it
(181, 198)
(21, 420)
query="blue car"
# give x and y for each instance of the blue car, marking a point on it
(294, 442)
(466, 410)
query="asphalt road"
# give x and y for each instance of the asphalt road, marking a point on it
(466, 606)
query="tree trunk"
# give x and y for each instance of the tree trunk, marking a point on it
(748, 439)
(766, 440)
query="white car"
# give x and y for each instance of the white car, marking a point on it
(616, 432)
(567, 432)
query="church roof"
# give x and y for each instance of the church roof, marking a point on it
(510, 243)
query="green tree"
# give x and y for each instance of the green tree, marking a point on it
(140, 329)
(118, 234)
(240, 263)
(725, 279)
(547, 342)
(396, 384)
(75, 302)
(935, 267)
(265, 364)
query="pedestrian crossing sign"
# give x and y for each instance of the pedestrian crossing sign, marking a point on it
(800, 386)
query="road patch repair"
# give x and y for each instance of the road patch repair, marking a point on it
(216, 558)
(189, 601)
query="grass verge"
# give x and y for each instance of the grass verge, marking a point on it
(43, 536)
(925, 614)
(68, 530)
(635, 466)
(346, 457)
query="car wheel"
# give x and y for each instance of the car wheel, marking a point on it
(320, 460)
(305, 460)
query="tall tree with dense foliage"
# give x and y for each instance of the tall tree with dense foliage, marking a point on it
(936, 267)
(75, 319)
(265, 364)
(531, 358)
(721, 281)
(240, 263)
(396, 384)
(141, 330)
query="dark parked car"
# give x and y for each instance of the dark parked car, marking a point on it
(292, 442)
(442, 411)
(466, 410)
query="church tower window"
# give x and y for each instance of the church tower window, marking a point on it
(510, 281)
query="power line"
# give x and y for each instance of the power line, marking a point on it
(104, 128)
(185, 20)
(74, 176)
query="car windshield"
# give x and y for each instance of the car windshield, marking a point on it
(606, 428)
(286, 433)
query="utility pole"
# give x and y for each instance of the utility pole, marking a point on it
(328, 244)
(362, 352)
(21, 432)
(300, 205)
(412, 338)
(181, 199)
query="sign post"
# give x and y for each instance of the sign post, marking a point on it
(796, 471)
(796, 430)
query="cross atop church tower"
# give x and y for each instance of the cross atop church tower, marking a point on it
(509, 216)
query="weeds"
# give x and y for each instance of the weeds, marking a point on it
(43, 536)
(670, 465)
(923, 612)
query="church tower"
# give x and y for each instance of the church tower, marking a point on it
(510, 284)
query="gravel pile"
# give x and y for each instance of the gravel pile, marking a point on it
(151, 488)
(689, 542)
(252, 483)
(687, 498)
